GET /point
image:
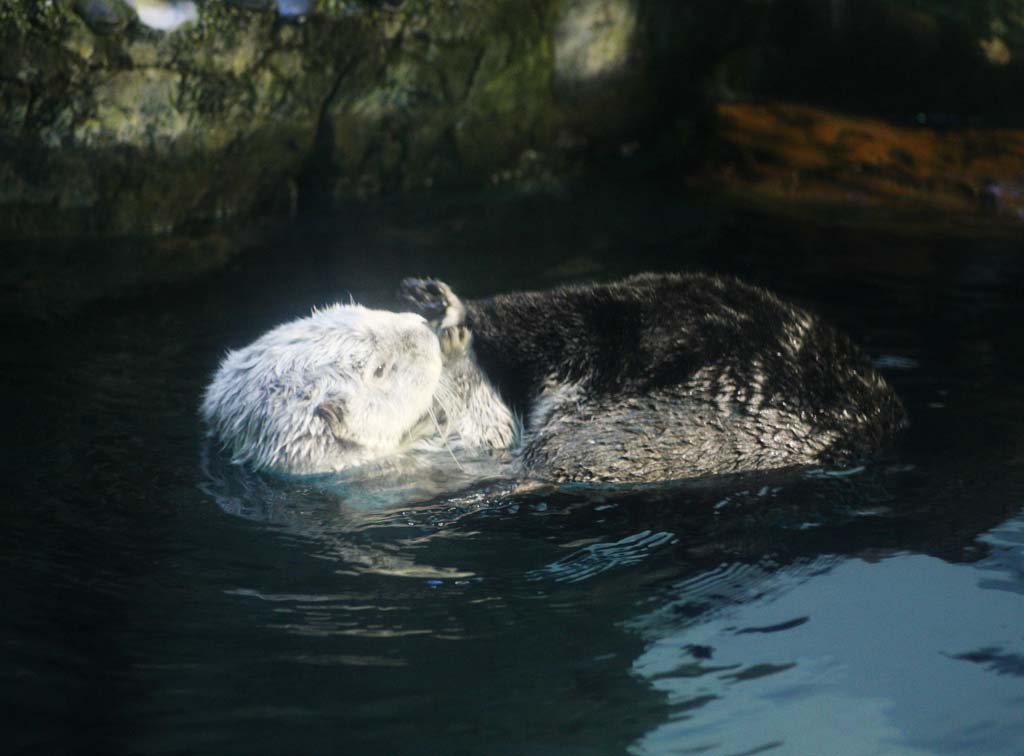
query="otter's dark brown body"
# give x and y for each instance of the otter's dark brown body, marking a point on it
(662, 377)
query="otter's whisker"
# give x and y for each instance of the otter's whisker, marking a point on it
(444, 439)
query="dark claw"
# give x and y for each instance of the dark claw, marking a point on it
(425, 295)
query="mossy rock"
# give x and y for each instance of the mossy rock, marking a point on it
(142, 131)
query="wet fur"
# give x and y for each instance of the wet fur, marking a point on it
(353, 389)
(662, 377)
(653, 378)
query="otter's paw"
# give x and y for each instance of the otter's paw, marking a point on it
(455, 341)
(434, 300)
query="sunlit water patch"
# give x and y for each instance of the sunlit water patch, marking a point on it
(831, 659)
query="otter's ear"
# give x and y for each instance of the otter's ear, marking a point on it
(332, 413)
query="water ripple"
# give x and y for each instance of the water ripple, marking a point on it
(600, 557)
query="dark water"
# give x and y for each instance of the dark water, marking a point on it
(158, 605)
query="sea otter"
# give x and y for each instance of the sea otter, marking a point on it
(653, 378)
(663, 377)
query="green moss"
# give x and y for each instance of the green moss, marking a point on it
(509, 105)
(462, 94)
(146, 131)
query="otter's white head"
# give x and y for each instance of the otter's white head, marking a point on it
(343, 387)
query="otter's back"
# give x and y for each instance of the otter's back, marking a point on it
(670, 376)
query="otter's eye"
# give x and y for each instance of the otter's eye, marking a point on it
(379, 372)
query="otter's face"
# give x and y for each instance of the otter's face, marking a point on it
(378, 377)
(380, 385)
(340, 388)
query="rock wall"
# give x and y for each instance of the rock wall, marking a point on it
(151, 116)
(111, 127)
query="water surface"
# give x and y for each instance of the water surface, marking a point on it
(158, 605)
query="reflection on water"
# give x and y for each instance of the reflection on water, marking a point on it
(847, 679)
(163, 601)
(596, 558)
